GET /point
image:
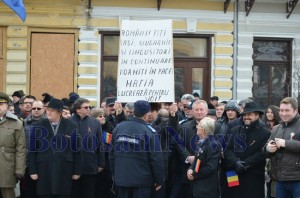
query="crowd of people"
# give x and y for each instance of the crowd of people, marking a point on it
(64, 148)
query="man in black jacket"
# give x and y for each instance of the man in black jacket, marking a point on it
(188, 133)
(244, 155)
(136, 159)
(53, 161)
(93, 159)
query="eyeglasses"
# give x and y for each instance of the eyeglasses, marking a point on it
(36, 108)
(87, 107)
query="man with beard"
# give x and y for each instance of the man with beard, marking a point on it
(244, 155)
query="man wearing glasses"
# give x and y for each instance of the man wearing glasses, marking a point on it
(92, 158)
(28, 100)
(187, 100)
(37, 114)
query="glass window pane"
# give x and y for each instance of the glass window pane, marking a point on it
(271, 50)
(179, 81)
(110, 70)
(111, 45)
(197, 81)
(190, 47)
(280, 85)
(260, 85)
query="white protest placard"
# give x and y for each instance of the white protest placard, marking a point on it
(146, 66)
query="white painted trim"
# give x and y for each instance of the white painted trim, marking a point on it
(269, 18)
(212, 66)
(99, 71)
(152, 13)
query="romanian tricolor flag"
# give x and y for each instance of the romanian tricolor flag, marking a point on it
(106, 137)
(232, 179)
(197, 165)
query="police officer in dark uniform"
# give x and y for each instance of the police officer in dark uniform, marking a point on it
(136, 159)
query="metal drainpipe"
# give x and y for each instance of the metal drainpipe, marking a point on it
(235, 48)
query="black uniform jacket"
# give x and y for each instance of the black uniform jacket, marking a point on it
(136, 158)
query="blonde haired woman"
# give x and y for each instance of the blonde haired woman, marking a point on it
(204, 171)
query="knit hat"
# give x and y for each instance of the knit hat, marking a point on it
(141, 107)
(73, 97)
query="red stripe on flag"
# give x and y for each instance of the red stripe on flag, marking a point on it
(197, 167)
(233, 183)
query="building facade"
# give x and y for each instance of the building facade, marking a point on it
(64, 47)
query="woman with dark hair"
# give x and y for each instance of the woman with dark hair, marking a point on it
(270, 118)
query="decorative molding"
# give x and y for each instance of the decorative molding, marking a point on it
(149, 13)
(191, 25)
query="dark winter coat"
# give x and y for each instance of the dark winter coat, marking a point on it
(206, 182)
(136, 159)
(92, 154)
(246, 144)
(47, 158)
(285, 162)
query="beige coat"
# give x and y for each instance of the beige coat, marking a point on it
(12, 150)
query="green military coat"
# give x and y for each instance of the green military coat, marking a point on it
(12, 150)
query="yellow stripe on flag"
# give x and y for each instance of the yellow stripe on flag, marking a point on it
(232, 179)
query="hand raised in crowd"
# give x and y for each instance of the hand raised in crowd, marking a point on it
(189, 174)
(173, 109)
(280, 142)
(271, 147)
(118, 107)
(34, 176)
(75, 177)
